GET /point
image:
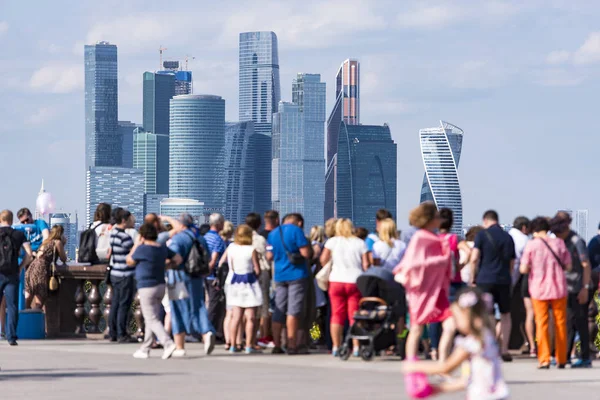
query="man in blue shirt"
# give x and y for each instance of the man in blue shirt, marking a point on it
(36, 232)
(285, 245)
(216, 248)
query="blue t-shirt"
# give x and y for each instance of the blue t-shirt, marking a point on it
(150, 268)
(33, 232)
(294, 238)
(182, 243)
(495, 259)
(371, 240)
(216, 244)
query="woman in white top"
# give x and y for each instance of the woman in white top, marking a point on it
(349, 259)
(243, 293)
(388, 250)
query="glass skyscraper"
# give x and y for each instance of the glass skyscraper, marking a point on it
(366, 173)
(103, 143)
(298, 160)
(120, 187)
(196, 150)
(259, 95)
(347, 109)
(239, 170)
(126, 129)
(151, 153)
(440, 150)
(158, 91)
(175, 207)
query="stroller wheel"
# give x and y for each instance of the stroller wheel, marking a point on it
(344, 352)
(367, 353)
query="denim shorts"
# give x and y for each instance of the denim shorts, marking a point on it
(289, 299)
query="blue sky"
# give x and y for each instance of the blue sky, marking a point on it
(521, 79)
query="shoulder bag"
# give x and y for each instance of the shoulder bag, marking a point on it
(563, 266)
(53, 283)
(294, 258)
(493, 242)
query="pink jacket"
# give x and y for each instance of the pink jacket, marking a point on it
(425, 272)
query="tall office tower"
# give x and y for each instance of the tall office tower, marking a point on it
(183, 79)
(440, 150)
(126, 129)
(120, 187)
(259, 95)
(69, 224)
(581, 224)
(298, 160)
(175, 207)
(151, 153)
(103, 146)
(366, 173)
(239, 170)
(196, 147)
(158, 91)
(347, 109)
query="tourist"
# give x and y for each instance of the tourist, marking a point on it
(39, 271)
(216, 248)
(477, 346)
(330, 227)
(388, 250)
(130, 228)
(373, 237)
(465, 248)
(544, 262)
(594, 251)
(12, 242)
(290, 251)
(37, 230)
(101, 227)
(492, 261)
(271, 222)
(317, 241)
(163, 233)
(520, 234)
(349, 260)
(425, 272)
(259, 243)
(122, 278)
(244, 293)
(227, 232)
(361, 232)
(579, 285)
(149, 259)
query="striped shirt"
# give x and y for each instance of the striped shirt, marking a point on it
(216, 244)
(120, 243)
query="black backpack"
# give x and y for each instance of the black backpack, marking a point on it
(87, 247)
(7, 252)
(197, 261)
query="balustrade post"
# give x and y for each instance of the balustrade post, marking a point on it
(139, 318)
(107, 304)
(95, 313)
(80, 307)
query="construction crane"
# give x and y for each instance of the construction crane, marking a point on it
(187, 57)
(160, 51)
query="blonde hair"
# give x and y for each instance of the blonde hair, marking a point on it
(423, 214)
(344, 228)
(227, 230)
(56, 233)
(317, 234)
(243, 235)
(330, 227)
(388, 231)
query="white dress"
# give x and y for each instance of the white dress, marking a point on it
(243, 290)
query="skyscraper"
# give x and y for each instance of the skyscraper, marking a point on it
(196, 147)
(239, 170)
(159, 89)
(183, 79)
(259, 94)
(365, 173)
(120, 187)
(440, 150)
(103, 143)
(151, 154)
(347, 109)
(126, 131)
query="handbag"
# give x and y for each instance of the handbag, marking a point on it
(322, 276)
(178, 291)
(294, 258)
(53, 284)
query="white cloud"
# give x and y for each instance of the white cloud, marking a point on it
(589, 52)
(57, 78)
(3, 27)
(558, 57)
(558, 77)
(433, 17)
(42, 115)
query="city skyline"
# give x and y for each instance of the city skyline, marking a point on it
(536, 84)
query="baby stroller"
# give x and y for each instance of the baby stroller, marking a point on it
(374, 326)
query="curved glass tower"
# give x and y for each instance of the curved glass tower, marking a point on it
(197, 140)
(440, 149)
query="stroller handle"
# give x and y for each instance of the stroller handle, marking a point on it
(372, 299)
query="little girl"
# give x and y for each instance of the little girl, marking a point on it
(478, 346)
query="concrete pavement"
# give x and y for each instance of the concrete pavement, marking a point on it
(99, 370)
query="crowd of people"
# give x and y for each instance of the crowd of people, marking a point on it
(258, 286)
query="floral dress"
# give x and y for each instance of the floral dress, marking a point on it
(38, 274)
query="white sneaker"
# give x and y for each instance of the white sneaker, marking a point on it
(209, 343)
(178, 353)
(141, 354)
(169, 350)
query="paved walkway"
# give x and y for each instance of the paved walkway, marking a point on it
(98, 370)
